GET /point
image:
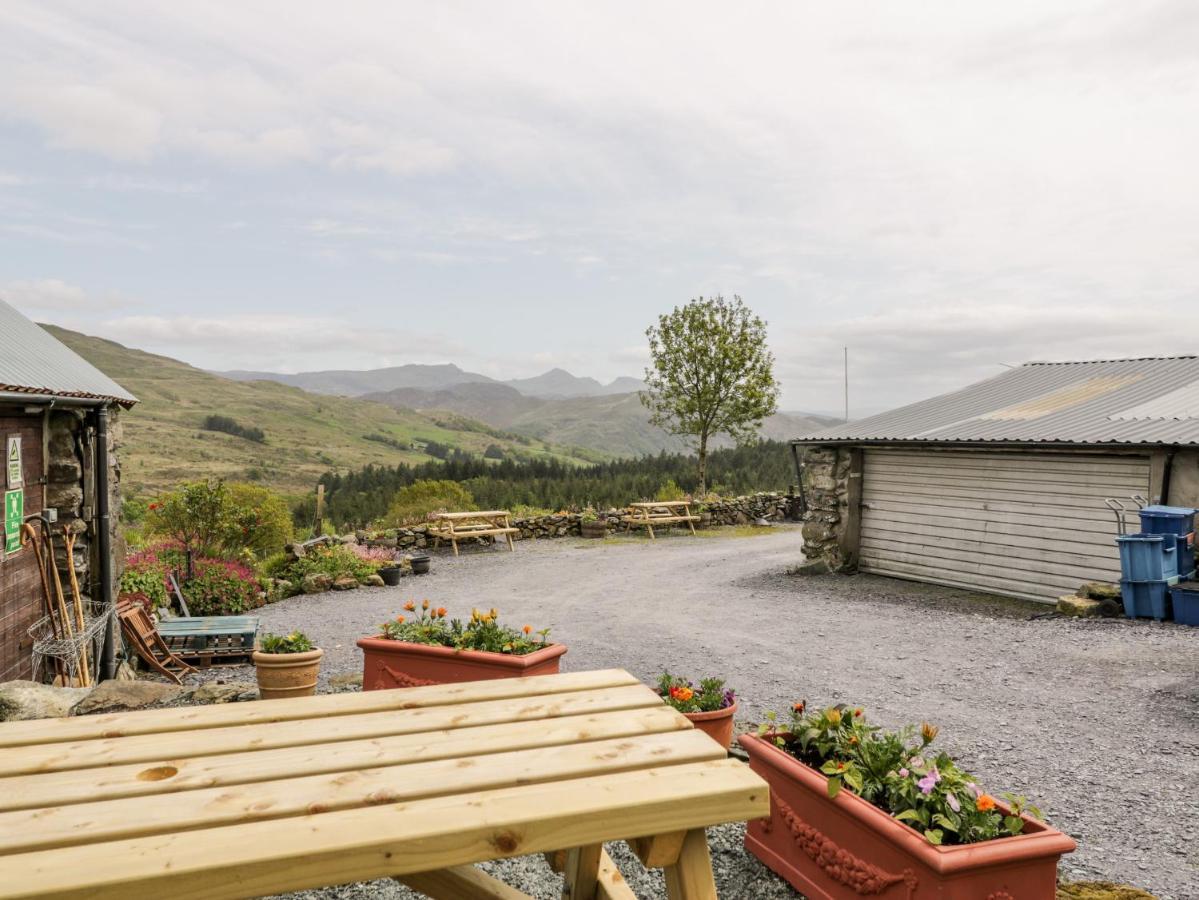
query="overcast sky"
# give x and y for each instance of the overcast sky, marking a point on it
(945, 187)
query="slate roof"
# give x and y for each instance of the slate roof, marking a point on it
(1116, 401)
(32, 361)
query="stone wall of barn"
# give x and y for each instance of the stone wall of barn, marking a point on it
(828, 522)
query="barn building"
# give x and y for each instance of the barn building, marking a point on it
(59, 430)
(1001, 486)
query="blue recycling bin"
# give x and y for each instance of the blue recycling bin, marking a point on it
(1186, 602)
(1148, 557)
(1176, 520)
(1147, 599)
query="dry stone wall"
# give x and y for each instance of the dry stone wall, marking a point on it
(826, 488)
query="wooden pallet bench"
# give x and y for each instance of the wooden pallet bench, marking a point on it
(660, 513)
(210, 640)
(465, 526)
(419, 784)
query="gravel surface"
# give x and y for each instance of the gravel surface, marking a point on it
(1097, 721)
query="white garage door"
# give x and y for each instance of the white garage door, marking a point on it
(1024, 524)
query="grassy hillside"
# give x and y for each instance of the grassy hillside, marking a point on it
(306, 434)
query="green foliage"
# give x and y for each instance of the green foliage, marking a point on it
(413, 503)
(429, 626)
(145, 575)
(493, 451)
(335, 561)
(898, 773)
(274, 566)
(670, 491)
(231, 426)
(683, 695)
(221, 588)
(710, 374)
(212, 518)
(357, 499)
(296, 642)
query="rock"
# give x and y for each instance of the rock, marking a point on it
(813, 567)
(1097, 590)
(1085, 607)
(373, 581)
(114, 696)
(214, 692)
(345, 583)
(125, 672)
(295, 551)
(20, 700)
(1100, 890)
(349, 539)
(346, 681)
(316, 583)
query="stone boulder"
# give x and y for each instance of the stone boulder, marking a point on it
(212, 692)
(1097, 590)
(116, 696)
(345, 583)
(21, 700)
(1087, 608)
(373, 581)
(316, 583)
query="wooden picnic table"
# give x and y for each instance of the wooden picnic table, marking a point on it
(660, 512)
(248, 799)
(462, 526)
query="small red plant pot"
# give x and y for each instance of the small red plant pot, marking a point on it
(397, 664)
(846, 848)
(718, 724)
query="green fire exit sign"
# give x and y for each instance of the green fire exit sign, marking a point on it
(14, 517)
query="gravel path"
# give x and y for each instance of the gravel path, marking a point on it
(1096, 721)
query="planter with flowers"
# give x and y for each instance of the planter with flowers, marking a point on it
(591, 525)
(710, 707)
(426, 647)
(857, 810)
(286, 666)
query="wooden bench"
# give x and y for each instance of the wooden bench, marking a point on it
(463, 526)
(660, 512)
(257, 798)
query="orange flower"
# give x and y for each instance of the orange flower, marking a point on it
(441, 612)
(799, 707)
(985, 803)
(410, 606)
(857, 713)
(853, 740)
(528, 629)
(681, 693)
(424, 604)
(400, 619)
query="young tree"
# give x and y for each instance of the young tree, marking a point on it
(710, 374)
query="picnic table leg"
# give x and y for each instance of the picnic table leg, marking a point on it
(461, 883)
(691, 877)
(508, 535)
(581, 872)
(690, 524)
(649, 527)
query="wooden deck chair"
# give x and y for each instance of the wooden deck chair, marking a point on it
(139, 630)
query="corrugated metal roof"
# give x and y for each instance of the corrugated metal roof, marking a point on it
(1117, 401)
(32, 361)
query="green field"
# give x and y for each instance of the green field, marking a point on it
(306, 434)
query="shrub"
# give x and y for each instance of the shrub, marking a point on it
(483, 632)
(378, 557)
(230, 426)
(413, 503)
(296, 642)
(146, 572)
(493, 451)
(335, 561)
(212, 518)
(221, 588)
(670, 491)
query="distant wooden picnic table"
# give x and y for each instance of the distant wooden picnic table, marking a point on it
(419, 784)
(660, 512)
(463, 526)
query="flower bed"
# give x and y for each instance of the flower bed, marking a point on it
(427, 647)
(856, 810)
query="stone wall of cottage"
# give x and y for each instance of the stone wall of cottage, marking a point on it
(826, 488)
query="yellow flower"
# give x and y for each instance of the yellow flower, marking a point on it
(833, 715)
(928, 731)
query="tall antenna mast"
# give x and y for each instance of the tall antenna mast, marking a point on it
(846, 349)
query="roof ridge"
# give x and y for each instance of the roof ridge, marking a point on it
(1088, 362)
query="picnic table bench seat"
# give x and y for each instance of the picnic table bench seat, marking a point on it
(462, 526)
(659, 512)
(418, 784)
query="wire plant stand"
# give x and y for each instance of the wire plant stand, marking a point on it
(63, 653)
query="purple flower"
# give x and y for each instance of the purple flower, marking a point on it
(929, 781)
(952, 800)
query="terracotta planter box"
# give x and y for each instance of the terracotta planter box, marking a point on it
(718, 725)
(396, 664)
(846, 848)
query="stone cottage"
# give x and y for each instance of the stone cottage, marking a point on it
(59, 430)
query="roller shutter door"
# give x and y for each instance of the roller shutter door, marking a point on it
(1023, 524)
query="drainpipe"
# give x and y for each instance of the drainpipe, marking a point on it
(108, 663)
(1167, 470)
(803, 499)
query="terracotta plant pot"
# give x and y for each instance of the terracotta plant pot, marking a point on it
(844, 848)
(718, 724)
(287, 674)
(396, 664)
(594, 529)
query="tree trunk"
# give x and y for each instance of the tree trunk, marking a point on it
(703, 466)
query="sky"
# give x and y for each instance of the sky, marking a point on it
(945, 188)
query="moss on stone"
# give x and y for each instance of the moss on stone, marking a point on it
(1100, 890)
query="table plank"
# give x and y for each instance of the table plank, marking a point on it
(155, 777)
(63, 756)
(87, 823)
(191, 718)
(360, 844)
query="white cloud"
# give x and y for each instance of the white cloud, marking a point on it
(39, 295)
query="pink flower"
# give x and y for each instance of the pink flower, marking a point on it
(904, 773)
(952, 800)
(929, 781)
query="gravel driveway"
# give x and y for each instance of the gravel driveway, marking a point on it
(1097, 721)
